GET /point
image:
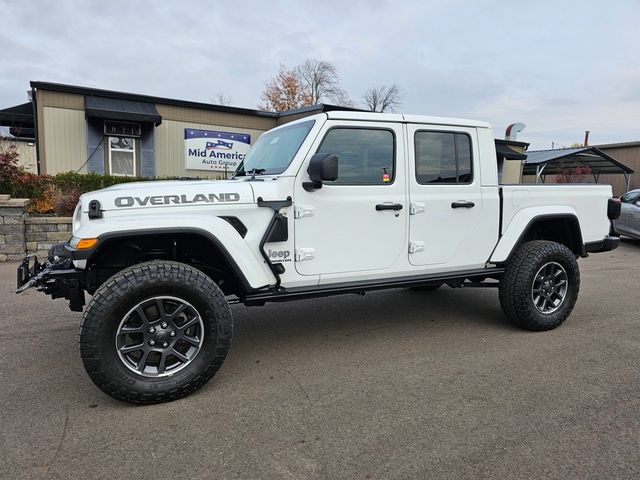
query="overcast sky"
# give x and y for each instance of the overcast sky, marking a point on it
(560, 67)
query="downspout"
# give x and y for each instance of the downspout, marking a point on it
(34, 108)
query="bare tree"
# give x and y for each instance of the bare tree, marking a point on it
(285, 91)
(383, 98)
(320, 79)
(310, 83)
(342, 99)
(221, 99)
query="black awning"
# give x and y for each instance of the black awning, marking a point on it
(22, 132)
(123, 110)
(20, 115)
(505, 151)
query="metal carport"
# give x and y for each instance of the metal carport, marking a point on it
(553, 162)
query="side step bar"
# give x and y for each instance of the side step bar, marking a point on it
(298, 293)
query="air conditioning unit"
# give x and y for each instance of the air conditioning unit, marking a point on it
(122, 129)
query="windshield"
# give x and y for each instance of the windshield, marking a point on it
(273, 152)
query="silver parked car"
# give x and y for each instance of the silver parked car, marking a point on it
(629, 222)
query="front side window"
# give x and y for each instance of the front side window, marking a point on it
(443, 157)
(274, 150)
(366, 156)
(122, 156)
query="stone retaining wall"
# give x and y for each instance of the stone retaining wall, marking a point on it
(13, 212)
(21, 234)
(43, 232)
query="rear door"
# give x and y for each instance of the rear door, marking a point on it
(449, 227)
(358, 222)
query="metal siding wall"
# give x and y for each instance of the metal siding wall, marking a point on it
(66, 140)
(27, 152)
(170, 159)
(61, 100)
(209, 117)
(629, 156)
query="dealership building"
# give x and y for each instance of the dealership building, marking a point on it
(70, 128)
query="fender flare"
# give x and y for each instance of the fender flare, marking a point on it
(248, 269)
(514, 235)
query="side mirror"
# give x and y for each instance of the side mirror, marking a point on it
(323, 167)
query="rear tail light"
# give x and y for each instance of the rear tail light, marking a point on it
(613, 208)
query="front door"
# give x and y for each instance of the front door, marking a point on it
(450, 227)
(358, 222)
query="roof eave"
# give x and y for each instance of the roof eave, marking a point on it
(59, 87)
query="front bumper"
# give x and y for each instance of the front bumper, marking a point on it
(56, 277)
(606, 245)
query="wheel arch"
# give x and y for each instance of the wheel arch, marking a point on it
(562, 227)
(190, 245)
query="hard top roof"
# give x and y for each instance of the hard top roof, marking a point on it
(406, 118)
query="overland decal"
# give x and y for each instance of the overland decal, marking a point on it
(213, 150)
(123, 202)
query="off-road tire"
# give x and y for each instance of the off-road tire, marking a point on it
(118, 295)
(515, 290)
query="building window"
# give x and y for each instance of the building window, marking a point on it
(443, 157)
(122, 156)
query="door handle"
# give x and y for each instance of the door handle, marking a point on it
(388, 206)
(462, 204)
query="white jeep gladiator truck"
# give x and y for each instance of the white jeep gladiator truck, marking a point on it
(335, 203)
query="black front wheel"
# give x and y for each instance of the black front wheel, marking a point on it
(155, 332)
(540, 285)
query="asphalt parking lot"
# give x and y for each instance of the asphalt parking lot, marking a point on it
(395, 384)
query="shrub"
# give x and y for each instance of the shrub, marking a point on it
(9, 169)
(575, 174)
(44, 201)
(65, 202)
(87, 182)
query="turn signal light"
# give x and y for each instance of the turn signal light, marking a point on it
(84, 243)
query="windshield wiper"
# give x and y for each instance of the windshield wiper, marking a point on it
(256, 171)
(253, 172)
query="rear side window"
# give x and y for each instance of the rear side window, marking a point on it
(443, 157)
(366, 156)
